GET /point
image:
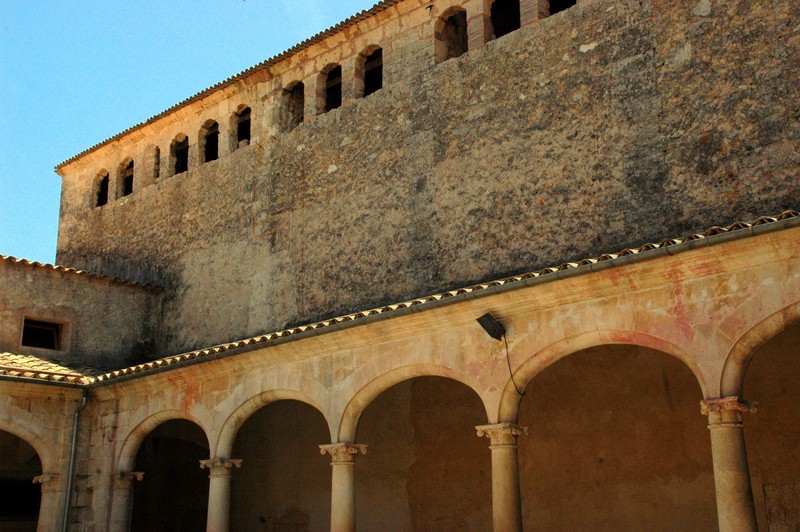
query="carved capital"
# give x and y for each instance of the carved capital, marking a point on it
(46, 478)
(220, 466)
(502, 434)
(730, 404)
(343, 453)
(124, 479)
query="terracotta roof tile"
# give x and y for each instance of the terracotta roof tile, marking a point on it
(30, 367)
(266, 338)
(73, 271)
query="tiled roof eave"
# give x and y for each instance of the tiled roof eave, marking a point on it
(714, 235)
(73, 271)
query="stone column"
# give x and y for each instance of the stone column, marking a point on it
(343, 489)
(51, 506)
(506, 501)
(219, 492)
(735, 508)
(123, 499)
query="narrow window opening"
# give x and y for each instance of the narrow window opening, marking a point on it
(557, 6)
(505, 17)
(294, 108)
(243, 128)
(156, 162)
(127, 179)
(211, 143)
(451, 38)
(333, 89)
(102, 191)
(373, 72)
(180, 149)
(41, 334)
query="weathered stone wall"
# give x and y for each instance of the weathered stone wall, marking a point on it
(105, 323)
(613, 123)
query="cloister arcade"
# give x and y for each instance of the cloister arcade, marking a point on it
(415, 423)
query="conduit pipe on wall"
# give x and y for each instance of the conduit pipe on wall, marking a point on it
(73, 452)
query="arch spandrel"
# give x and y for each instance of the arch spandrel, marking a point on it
(133, 440)
(542, 358)
(367, 393)
(747, 345)
(223, 444)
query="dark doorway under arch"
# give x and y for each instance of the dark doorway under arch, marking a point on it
(773, 434)
(617, 442)
(19, 496)
(284, 483)
(425, 467)
(174, 492)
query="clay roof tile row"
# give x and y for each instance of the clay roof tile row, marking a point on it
(265, 338)
(73, 271)
(30, 367)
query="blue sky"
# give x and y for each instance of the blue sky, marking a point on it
(73, 73)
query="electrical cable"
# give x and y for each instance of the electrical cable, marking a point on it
(511, 373)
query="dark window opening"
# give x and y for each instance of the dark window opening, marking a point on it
(102, 191)
(505, 17)
(333, 89)
(295, 106)
(181, 154)
(452, 39)
(156, 162)
(243, 128)
(373, 72)
(211, 143)
(557, 6)
(127, 180)
(41, 334)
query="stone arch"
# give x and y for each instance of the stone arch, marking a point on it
(745, 348)
(450, 34)
(369, 70)
(367, 393)
(125, 177)
(230, 427)
(132, 442)
(208, 141)
(100, 189)
(329, 88)
(240, 127)
(47, 455)
(533, 365)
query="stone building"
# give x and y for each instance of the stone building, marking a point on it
(501, 264)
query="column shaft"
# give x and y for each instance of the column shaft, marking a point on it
(219, 492)
(735, 508)
(506, 499)
(343, 488)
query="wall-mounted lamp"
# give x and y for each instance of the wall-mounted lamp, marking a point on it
(492, 327)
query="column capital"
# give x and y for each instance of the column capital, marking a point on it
(219, 465)
(502, 433)
(730, 404)
(48, 481)
(124, 479)
(46, 478)
(343, 452)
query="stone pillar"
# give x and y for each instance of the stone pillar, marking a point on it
(219, 492)
(506, 501)
(51, 506)
(735, 508)
(343, 489)
(123, 499)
